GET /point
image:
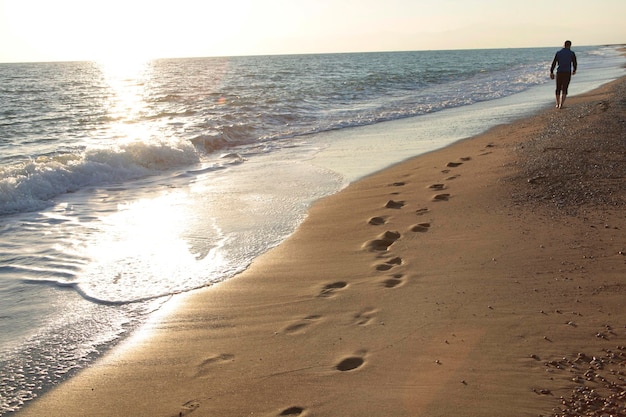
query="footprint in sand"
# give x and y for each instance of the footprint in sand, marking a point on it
(441, 197)
(383, 242)
(394, 281)
(330, 289)
(389, 264)
(397, 184)
(365, 316)
(456, 164)
(490, 145)
(422, 211)
(437, 187)
(292, 411)
(188, 408)
(384, 267)
(420, 227)
(392, 204)
(204, 369)
(350, 363)
(377, 221)
(302, 324)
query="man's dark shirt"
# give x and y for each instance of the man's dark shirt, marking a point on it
(566, 58)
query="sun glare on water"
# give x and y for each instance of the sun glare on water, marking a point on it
(148, 248)
(123, 66)
(126, 79)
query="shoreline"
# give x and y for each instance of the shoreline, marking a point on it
(413, 291)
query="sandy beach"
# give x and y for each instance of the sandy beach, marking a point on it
(484, 279)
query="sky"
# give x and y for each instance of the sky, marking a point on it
(77, 30)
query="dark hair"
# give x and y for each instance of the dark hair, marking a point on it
(568, 43)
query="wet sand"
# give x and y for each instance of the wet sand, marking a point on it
(484, 279)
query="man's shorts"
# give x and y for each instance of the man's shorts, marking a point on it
(562, 81)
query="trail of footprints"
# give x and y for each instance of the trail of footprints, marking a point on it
(381, 246)
(393, 278)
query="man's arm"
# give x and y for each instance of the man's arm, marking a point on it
(553, 64)
(574, 63)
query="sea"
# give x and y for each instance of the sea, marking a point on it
(123, 184)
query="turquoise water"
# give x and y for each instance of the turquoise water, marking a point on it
(122, 186)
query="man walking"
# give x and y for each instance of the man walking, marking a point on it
(566, 60)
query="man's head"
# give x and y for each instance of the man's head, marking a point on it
(568, 44)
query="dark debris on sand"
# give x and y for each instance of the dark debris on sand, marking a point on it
(575, 166)
(600, 384)
(579, 159)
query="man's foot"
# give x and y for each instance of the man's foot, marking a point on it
(560, 100)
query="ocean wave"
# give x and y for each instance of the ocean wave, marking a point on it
(31, 185)
(227, 137)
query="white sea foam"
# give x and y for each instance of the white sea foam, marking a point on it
(31, 185)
